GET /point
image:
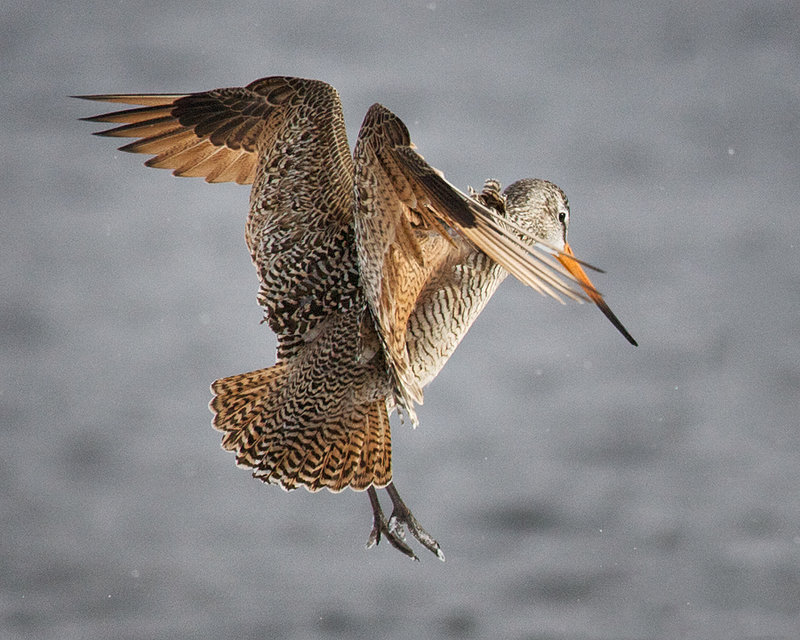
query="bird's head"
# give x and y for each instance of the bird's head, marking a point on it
(541, 209)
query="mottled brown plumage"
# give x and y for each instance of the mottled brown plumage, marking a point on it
(372, 268)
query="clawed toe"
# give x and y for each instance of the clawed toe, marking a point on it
(405, 518)
(379, 529)
(395, 529)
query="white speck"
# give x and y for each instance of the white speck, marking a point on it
(537, 372)
(676, 387)
(731, 151)
(431, 6)
(135, 573)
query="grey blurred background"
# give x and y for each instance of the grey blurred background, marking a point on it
(580, 488)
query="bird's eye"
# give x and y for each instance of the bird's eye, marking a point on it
(562, 216)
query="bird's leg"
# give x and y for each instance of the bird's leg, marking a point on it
(401, 515)
(380, 527)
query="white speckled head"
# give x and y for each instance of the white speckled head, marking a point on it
(540, 207)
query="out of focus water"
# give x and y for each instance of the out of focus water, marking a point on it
(580, 488)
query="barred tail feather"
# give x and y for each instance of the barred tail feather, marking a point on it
(238, 407)
(351, 448)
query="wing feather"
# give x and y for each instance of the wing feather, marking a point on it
(400, 243)
(212, 134)
(144, 99)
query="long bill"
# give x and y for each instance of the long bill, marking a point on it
(574, 267)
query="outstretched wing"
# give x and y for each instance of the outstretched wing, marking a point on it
(409, 220)
(213, 134)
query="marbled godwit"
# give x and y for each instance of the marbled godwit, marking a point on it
(372, 269)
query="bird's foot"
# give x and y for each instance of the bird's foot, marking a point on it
(402, 517)
(381, 528)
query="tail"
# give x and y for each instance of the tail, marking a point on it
(288, 444)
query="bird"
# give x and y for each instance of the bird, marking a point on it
(372, 267)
